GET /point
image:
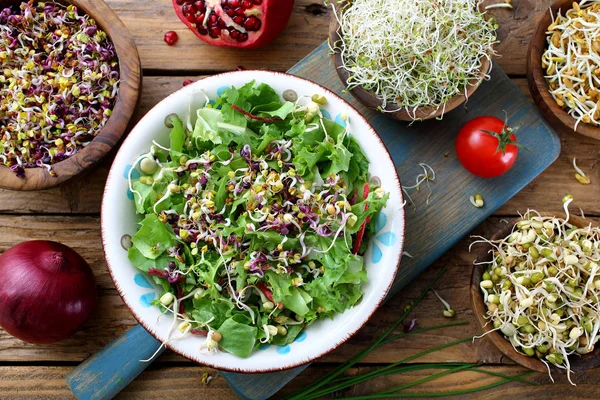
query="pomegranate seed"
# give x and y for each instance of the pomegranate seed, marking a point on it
(243, 37)
(257, 2)
(179, 2)
(252, 23)
(215, 32)
(171, 38)
(187, 82)
(191, 18)
(200, 19)
(188, 9)
(240, 11)
(238, 20)
(212, 19)
(234, 3)
(221, 24)
(200, 5)
(247, 4)
(230, 12)
(234, 33)
(202, 30)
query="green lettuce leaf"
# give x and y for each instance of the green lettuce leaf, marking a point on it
(153, 238)
(238, 338)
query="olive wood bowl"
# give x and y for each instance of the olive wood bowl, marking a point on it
(369, 100)
(130, 74)
(578, 363)
(537, 83)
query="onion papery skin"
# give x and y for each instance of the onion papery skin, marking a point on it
(47, 291)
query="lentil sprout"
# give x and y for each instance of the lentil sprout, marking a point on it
(414, 54)
(58, 84)
(541, 288)
(572, 61)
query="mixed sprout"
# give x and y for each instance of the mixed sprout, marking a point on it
(413, 54)
(58, 84)
(542, 288)
(572, 61)
(254, 218)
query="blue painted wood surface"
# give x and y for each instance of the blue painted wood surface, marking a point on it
(431, 229)
(108, 372)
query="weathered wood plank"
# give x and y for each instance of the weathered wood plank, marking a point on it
(308, 28)
(149, 20)
(84, 195)
(113, 318)
(178, 382)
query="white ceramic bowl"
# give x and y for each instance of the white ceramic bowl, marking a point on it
(119, 220)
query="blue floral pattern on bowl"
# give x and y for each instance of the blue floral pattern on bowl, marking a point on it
(387, 239)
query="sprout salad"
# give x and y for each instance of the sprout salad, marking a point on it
(253, 218)
(542, 288)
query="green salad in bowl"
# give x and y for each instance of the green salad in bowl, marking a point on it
(254, 218)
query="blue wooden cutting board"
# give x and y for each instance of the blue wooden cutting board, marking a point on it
(431, 228)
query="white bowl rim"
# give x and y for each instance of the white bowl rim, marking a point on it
(223, 76)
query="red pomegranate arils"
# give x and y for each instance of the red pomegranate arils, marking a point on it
(235, 23)
(171, 38)
(187, 82)
(247, 114)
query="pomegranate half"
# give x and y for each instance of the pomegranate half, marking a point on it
(247, 24)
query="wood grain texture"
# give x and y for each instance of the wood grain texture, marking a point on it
(537, 83)
(127, 101)
(113, 319)
(83, 194)
(180, 382)
(149, 20)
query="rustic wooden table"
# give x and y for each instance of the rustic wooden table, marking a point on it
(71, 214)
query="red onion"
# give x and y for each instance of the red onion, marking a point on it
(47, 291)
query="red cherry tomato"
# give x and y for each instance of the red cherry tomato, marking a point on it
(486, 147)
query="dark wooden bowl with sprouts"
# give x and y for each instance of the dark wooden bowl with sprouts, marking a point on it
(577, 362)
(123, 107)
(393, 109)
(536, 76)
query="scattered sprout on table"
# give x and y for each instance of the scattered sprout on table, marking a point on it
(580, 175)
(505, 4)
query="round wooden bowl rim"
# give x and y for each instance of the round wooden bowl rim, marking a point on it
(130, 75)
(537, 81)
(368, 99)
(578, 363)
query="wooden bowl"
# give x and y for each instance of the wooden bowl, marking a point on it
(537, 83)
(126, 103)
(578, 363)
(369, 100)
